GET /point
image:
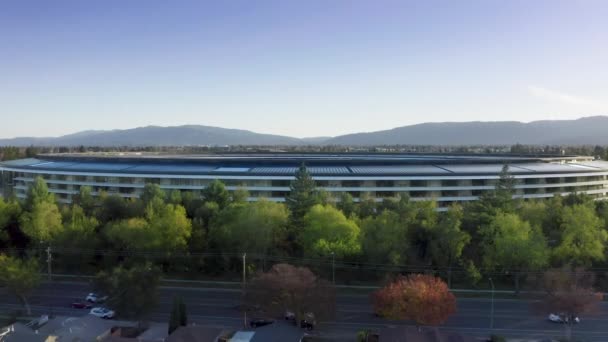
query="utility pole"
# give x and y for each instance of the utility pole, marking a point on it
(492, 306)
(49, 259)
(333, 268)
(243, 290)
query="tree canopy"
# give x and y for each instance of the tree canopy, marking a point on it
(326, 230)
(423, 299)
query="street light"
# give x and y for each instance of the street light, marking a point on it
(492, 306)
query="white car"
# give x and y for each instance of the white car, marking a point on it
(96, 298)
(102, 312)
(561, 318)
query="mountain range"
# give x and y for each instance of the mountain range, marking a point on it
(588, 130)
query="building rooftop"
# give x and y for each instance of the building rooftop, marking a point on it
(317, 164)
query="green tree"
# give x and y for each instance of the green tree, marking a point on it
(216, 192)
(422, 220)
(77, 240)
(513, 246)
(9, 218)
(165, 229)
(20, 277)
(367, 206)
(449, 240)
(174, 197)
(327, 230)
(42, 220)
(583, 238)
(132, 292)
(150, 192)
(302, 196)
(240, 195)
(255, 227)
(346, 204)
(384, 239)
(38, 192)
(86, 200)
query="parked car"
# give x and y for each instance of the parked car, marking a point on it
(102, 312)
(562, 318)
(96, 298)
(260, 322)
(290, 316)
(308, 322)
(81, 305)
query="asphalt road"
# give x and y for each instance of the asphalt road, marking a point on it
(217, 307)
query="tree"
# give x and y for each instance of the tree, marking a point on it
(240, 195)
(178, 316)
(297, 289)
(20, 277)
(568, 291)
(512, 245)
(367, 206)
(384, 239)
(326, 230)
(301, 196)
(37, 192)
(255, 227)
(216, 192)
(174, 197)
(346, 204)
(150, 192)
(165, 229)
(583, 238)
(42, 220)
(78, 236)
(449, 240)
(9, 219)
(132, 292)
(424, 299)
(86, 200)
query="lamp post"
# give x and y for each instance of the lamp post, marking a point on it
(492, 306)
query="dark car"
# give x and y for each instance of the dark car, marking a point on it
(81, 305)
(308, 322)
(260, 322)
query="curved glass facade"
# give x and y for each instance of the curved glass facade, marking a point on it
(446, 179)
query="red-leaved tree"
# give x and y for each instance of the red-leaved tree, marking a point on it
(424, 299)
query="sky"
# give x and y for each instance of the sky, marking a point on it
(298, 68)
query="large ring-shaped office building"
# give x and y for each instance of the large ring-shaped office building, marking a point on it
(444, 178)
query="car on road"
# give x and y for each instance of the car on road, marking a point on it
(562, 318)
(96, 298)
(260, 322)
(308, 322)
(102, 312)
(81, 305)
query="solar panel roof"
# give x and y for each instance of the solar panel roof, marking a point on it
(98, 166)
(171, 168)
(547, 167)
(289, 170)
(398, 169)
(231, 169)
(483, 168)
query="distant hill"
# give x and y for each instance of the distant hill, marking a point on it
(589, 130)
(190, 135)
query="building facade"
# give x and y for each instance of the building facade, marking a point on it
(444, 178)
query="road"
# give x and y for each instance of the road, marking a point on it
(216, 307)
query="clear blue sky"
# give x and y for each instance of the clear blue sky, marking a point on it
(300, 68)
